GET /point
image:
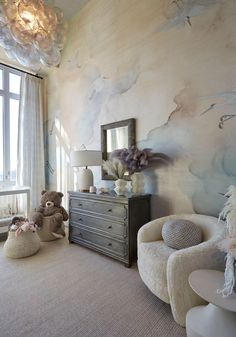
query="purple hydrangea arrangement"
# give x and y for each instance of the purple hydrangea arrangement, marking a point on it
(135, 160)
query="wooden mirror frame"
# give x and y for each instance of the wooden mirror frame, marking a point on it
(131, 140)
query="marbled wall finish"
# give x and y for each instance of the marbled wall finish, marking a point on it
(172, 66)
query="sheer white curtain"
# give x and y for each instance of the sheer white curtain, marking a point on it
(31, 166)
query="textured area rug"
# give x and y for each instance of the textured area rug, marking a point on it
(66, 290)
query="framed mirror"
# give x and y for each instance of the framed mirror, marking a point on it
(114, 136)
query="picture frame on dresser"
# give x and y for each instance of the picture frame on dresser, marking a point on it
(108, 223)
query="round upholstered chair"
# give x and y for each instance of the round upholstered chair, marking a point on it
(165, 270)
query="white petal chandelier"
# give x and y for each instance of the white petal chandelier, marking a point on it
(32, 32)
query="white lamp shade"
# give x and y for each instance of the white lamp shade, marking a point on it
(86, 158)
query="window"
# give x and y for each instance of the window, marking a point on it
(9, 111)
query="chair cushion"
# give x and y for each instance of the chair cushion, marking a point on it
(180, 233)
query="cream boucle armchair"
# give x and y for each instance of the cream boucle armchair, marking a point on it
(165, 270)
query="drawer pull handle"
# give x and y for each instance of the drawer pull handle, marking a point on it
(109, 227)
(109, 244)
(80, 234)
(109, 210)
(80, 204)
(80, 219)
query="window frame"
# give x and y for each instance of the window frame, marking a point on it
(6, 97)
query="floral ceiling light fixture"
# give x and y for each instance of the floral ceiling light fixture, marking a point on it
(32, 32)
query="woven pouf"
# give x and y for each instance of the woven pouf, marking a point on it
(25, 244)
(49, 227)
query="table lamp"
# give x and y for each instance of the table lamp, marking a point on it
(85, 158)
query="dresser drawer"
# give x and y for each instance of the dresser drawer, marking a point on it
(89, 238)
(105, 208)
(108, 226)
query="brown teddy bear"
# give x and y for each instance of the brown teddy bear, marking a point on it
(51, 207)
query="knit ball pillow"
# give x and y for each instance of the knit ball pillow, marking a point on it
(180, 233)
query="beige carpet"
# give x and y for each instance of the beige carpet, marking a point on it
(69, 291)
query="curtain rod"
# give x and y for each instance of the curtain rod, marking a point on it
(23, 71)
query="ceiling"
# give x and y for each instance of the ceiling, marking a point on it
(69, 7)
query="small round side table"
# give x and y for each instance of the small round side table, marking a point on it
(218, 318)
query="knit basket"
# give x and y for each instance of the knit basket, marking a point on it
(25, 244)
(45, 233)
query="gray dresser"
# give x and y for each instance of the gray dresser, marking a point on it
(108, 223)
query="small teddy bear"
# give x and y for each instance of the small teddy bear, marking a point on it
(16, 222)
(26, 226)
(51, 207)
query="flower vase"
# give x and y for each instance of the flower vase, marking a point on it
(137, 183)
(120, 186)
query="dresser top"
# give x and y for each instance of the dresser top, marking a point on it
(108, 196)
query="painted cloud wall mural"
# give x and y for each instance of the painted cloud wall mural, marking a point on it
(172, 66)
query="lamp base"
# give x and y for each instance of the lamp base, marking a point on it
(85, 179)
